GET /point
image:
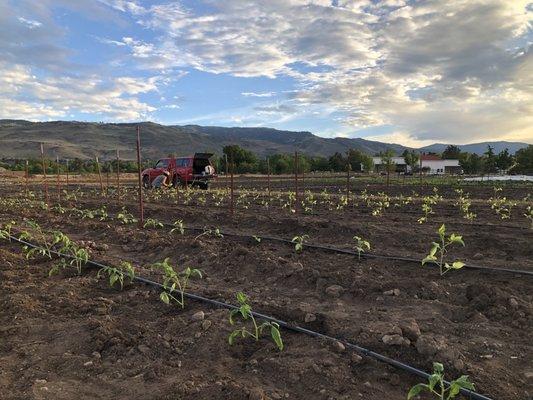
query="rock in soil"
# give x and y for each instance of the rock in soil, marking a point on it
(410, 329)
(395, 340)
(334, 290)
(198, 316)
(428, 345)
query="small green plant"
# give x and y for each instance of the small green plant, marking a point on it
(175, 281)
(5, 231)
(207, 232)
(152, 223)
(125, 217)
(361, 245)
(427, 208)
(299, 242)
(529, 216)
(117, 274)
(464, 203)
(438, 251)
(76, 255)
(245, 312)
(178, 227)
(438, 388)
(44, 246)
(257, 238)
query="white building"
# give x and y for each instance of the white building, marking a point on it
(430, 164)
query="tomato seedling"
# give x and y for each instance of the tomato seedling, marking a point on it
(175, 281)
(361, 245)
(438, 388)
(245, 312)
(438, 251)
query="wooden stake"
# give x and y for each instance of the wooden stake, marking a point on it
(45, 182)
(141, 206)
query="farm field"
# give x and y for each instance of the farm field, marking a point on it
(72, 335)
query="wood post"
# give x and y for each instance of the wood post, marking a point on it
(45, 182)
(141, 206)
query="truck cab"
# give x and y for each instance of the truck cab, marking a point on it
(195, 170)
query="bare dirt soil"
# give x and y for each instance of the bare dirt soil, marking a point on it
(70, 336)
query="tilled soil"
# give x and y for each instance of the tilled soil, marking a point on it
(72, 336)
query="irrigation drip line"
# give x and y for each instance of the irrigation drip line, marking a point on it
(352, 252)
(362, 350)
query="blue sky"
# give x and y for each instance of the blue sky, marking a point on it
(399, 71)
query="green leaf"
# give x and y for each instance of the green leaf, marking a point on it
(458, 265)
(276, 336)
(442, 230)
(433, 380)
(428, 258)
(415, 390)
(233, 335)
(164, 297)
(113, 278)
(438, 368)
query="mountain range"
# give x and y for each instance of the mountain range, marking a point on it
(72, 139)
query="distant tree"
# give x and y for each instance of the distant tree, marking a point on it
(359, 161)
(471, 163)
(524, 161)
(387, 162)
(243, 160)
(337, 162)
(451, 152)
(319, 164)
(490, 160)
(504, 160)
(411, 158)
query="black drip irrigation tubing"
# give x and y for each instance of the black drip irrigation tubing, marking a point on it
(362, 350)
(354, 253)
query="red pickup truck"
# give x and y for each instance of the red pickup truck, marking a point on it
(195, 170)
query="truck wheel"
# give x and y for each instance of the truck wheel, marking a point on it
(146, 182)
(177, 182)
(203, 185)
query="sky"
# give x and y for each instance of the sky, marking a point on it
(407, 72)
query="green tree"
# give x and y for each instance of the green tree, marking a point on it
(451, 152)
(243, 160)
(337, 162)
(524, 160)
(359, 161)
(504, 160)
(387, 162)
(471, 163)
(411, 158)
(490, 160)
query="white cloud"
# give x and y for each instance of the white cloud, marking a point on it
(23, 95)
(258, 94)
(31, 24)
(454, 70)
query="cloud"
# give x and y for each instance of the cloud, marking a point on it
(260, 94)
(23, 95)
(454, 70)
(31, 24)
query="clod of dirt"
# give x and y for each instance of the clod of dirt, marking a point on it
(513, 303)
(410, 329)
(392, 292)
(334, 290)
(339, 347)
(310, 317)
(144, 349)
(429, 346)
(478, 256)
(198, 316)
(206, 324)
(395, 340)
(356, 359)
